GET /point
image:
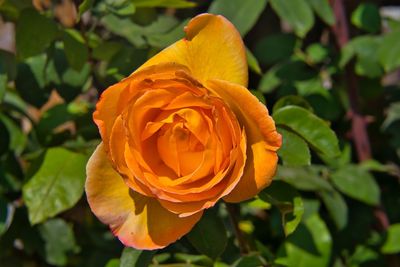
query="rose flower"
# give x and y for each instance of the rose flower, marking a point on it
(179, 134)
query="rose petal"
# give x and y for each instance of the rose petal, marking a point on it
(262, 138)
(138, 221)
(212, 48)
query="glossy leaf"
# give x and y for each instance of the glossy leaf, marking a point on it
(253, 62)
(349, 177)
(6, 215)
(275, 47)
(56, 186)
(209, 236)
(243, 14)
(294, 150)
(314, 130)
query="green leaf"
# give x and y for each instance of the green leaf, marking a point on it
(289, 202)
(113, 263)
(366, 17)
(85, 6)
(297, 13)
(18, 139)
(131, 257)
(6, 215)
(392, 243)
(75, 49)
(243, 14)
(270, 81)
(389, 52)
(59, 239)
(294, 150)
(314, 130)
(57, 185)
(209, 236)
(357, 183)
(309, 245)
(34, 33)
(252, 62)
(249, 261)
(199, 260)
(163, 3)
(275, 48)
(259, 96)
(136, 34)
(393, 114)
(291, 100)
(323, 10)
(317, 53)
(303, 178)
(336, 206)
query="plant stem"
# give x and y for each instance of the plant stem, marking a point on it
(358, 122)
(233, 211)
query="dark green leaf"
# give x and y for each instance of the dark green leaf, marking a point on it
(367, 17)
(297, 13)
(314, 130)
(59, 239)
(243, 14)
(392, 243)
(136, 258)
(294, 150)
(289, 202)
(57, 185)
(310, 245)
(34, 33)
(336, 206)
(275, 48)
(163, 3)
(250, 261)
(75, 49)
(208, 236)
(357, 183)
(323, 10)
(17, 139)
(291, 100)
(303, 178)
(270, 81)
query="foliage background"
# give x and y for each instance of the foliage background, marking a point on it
(328, 72)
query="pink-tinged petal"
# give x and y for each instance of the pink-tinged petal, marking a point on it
(138, 221)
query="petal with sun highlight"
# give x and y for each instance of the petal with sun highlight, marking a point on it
(211, 49)
(262, 138)
(138, 221)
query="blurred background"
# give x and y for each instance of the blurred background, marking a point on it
(328, 71)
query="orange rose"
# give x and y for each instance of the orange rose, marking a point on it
(179, 134)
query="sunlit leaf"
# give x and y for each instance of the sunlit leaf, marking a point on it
(57, 185)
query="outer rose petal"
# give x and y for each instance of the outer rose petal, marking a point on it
(212, 49)
(138, 221)
(262, 138)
